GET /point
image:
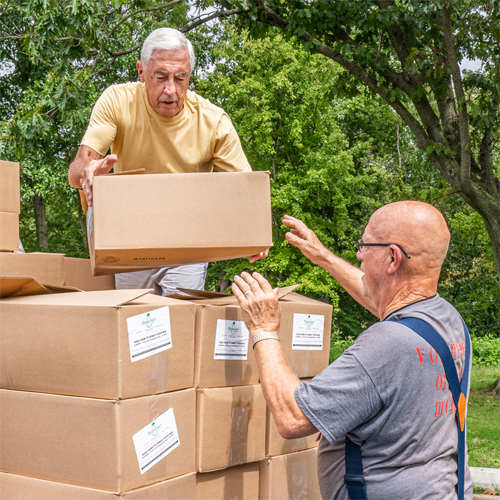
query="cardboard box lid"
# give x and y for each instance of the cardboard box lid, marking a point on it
(104, 298)
(222, 299)
(20, 287)
(10, 192)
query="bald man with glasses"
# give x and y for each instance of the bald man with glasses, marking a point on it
(388, 396)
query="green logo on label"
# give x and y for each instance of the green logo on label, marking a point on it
(155, 429)
(233, 329)
(149, 321)
(309, 322)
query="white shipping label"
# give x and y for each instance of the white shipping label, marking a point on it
(308, 332)
(231, 340)
(149, 333)
(156, 440)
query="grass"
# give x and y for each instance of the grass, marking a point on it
(483, 419)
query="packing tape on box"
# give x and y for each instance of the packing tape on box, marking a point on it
(239, 434)
(302, 365)
(297, 480)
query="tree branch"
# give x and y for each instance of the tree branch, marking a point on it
(463, 119)
(215, 15)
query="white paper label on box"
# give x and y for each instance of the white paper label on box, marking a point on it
(231, 340)
(156, 440)
(149, 333)
(308, 332)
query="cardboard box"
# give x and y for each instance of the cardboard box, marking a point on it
(10, 189)
(231, 427)
(44, 267)
(276, 445)
(14, 487)
(79, 344)
(92, 442)
(21, 287)
(150, 221)
(9, 232)
(78, 273)
(305, 333)
(290, 476)
(236, 483)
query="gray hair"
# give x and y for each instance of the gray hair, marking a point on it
(166, 39)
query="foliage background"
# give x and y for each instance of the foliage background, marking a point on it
(335, 151)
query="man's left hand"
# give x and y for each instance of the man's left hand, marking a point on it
(261, 255)
(258, 302)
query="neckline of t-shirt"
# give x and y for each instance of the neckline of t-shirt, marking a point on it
(157, 116)
(409, 305)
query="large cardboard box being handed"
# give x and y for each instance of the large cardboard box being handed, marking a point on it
(152, 221)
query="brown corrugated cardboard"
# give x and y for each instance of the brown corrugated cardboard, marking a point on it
(90, 442)
(222, 310)
(290, 476)
(236, 483)
(44, 267)
(9, 232)
(149, 221)
(79, 344)
(20, 287)
(14, 487)
(9, 187)
(276, 445)
(231, 427)
(78, 273)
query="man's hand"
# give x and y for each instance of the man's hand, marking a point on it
(261, 255)
(305, 240)
(94, 168)
(258, 302)
(87, 164)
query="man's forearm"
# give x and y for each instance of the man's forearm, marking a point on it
(278, 384)
(348, 276)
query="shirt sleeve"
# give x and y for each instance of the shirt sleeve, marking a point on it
(228, 154)
(101, 132)
(339, 399)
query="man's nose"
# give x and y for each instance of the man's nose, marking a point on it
(169, 87)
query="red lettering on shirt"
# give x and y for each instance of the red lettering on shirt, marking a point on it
(441, 382)
(420, 352)
(433, 355)
(439, 409)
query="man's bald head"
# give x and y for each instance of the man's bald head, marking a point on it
(418, 227)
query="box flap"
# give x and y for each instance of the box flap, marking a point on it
(130, 172)
(222, 299)
(18, 287)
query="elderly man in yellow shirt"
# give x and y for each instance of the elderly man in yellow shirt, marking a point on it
(161, 126)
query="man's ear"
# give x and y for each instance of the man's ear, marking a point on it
(396, 256)
(140, 70)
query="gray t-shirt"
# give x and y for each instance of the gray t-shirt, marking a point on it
(389, 393)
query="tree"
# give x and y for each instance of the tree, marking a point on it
(408, 53)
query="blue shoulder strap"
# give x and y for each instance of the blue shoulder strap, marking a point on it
(354, 478)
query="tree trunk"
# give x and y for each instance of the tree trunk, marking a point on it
(223, 284)
(42, 236)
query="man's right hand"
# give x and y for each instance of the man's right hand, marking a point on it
(94, 168)
(305, 240)
(86, 165)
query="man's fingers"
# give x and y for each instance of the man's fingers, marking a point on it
(251, 282)
(237, 292)
(263, 283)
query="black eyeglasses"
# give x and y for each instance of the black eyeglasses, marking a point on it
(361, 244)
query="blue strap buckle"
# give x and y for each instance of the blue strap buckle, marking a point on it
(354, 480)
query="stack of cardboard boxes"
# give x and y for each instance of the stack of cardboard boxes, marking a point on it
(121, 393)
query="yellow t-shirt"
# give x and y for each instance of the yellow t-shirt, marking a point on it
(200, 137)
